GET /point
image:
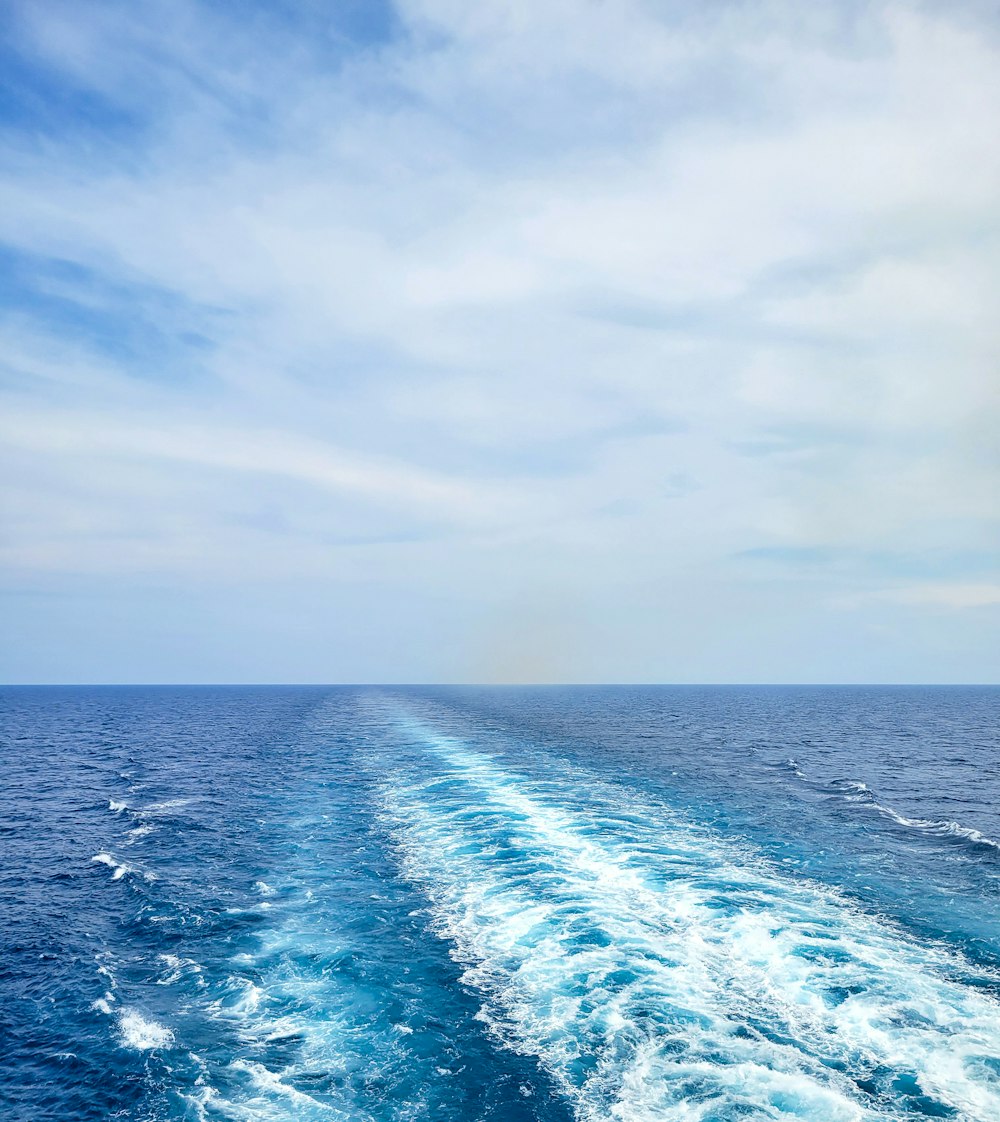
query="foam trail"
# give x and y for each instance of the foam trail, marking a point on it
(326, 1030)
(659, 971)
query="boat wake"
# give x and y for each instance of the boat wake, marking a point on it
(658, 970)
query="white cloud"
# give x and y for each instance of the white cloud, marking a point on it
(941, 595)
(505, 276)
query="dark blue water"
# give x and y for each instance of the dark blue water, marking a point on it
(711, 904)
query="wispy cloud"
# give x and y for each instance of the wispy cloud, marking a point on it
(941, 594)
(669, 307)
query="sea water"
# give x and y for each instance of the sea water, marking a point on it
(710, 904)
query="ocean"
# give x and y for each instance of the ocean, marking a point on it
(469, 904)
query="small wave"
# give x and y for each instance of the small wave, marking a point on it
(266, 1080)
(248, 999)
(120, 868)
(177, 968)
(166, 806)
(942, 828)
(141, 1033)
(117, 807)
(854, 791)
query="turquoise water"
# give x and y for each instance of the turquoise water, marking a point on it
(467, 904)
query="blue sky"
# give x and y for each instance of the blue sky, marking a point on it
(554, 341)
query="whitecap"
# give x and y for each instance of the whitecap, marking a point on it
(178, 968)
(248, 999)
(939, 828)
(120, 868)
(266, 1080)
(142, 1033)
(165, 806)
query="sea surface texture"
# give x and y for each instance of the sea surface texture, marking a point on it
(462, 905)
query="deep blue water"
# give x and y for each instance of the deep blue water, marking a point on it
(711, 904)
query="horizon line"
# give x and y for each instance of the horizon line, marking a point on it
(499, 685)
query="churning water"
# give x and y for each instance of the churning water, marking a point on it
(710, 904)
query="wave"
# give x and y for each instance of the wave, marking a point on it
(178, 969)
(942, 828)
(852, 790)
(142, 1033)
(659, 971)
(342, 1005)
(266, 1098)
(120, 868)
(165, 806)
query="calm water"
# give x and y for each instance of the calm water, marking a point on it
(468, 904)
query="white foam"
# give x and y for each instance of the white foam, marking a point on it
(117, 807)
(290, 998)
(178, 968)
(248, 1000)
(166, 805)
(120, 868)
(856, 791)
(623, 947)
(939, 828)
(142, 1033)
(275, 1099)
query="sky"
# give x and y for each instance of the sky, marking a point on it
(523, 341)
